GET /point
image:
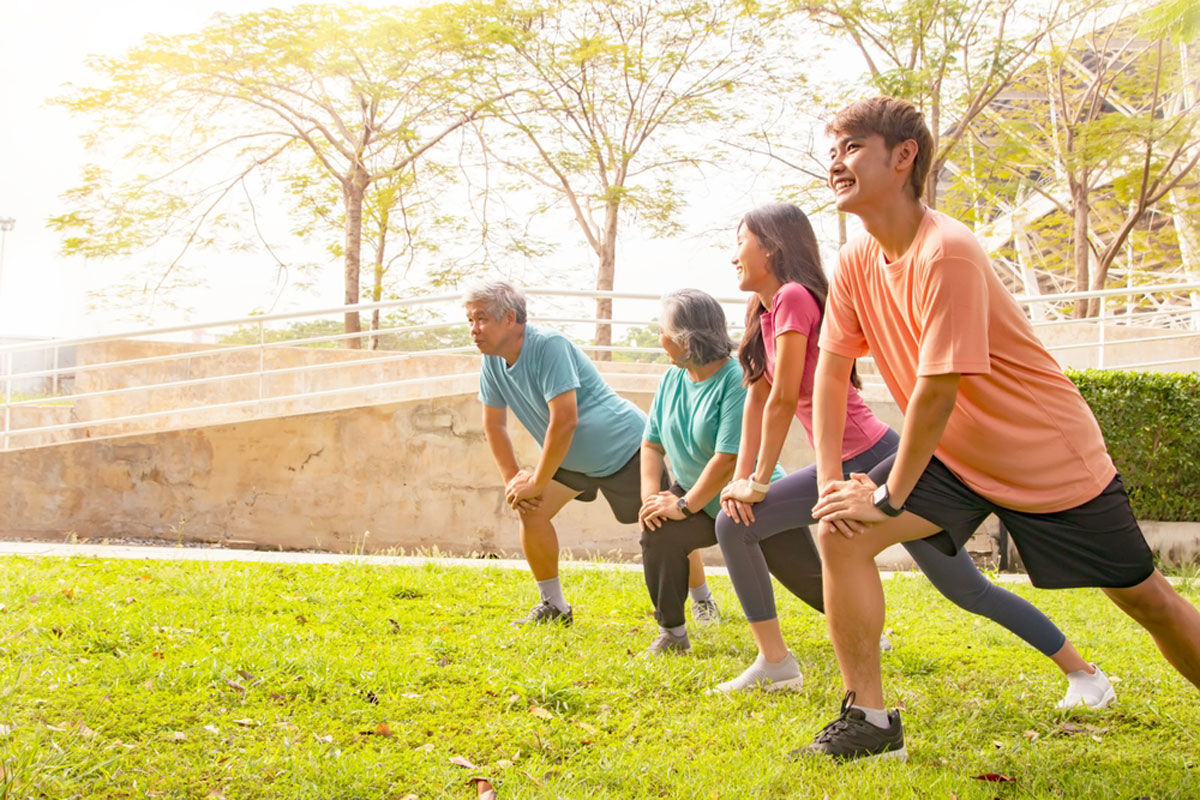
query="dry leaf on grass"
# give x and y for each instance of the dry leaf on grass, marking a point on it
(213, 729)
(381, 729)
(178, 736)
(428, 747)
(235, 685)
(247, 676)
(5, 730)
(323, 739)
(246, 723)
(484, 788)
(994, 777)
(462, 762)
(540, 712)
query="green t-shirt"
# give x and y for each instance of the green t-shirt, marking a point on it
(693, 421)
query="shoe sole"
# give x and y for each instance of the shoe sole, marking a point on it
(898, 755)
(788, 685)
(1109, 696)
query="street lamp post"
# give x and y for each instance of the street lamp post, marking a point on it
(6, 225)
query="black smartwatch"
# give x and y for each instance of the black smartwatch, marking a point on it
(883, 501)
(682, 505)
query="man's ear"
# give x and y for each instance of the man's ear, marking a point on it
(905, 154)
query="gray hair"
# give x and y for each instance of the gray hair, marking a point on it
(500, 297)
(696, 322)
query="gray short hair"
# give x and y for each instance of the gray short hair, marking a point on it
(695, 321)
(500, 297)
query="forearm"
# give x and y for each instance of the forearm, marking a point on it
(716, 473)
(558, 441)
(752, 414)
(924, 423)
(829, 416)
(652, 466)
(502, 451)
(776, 422)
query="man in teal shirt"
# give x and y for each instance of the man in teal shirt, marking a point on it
(590, 436)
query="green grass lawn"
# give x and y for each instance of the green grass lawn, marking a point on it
(153, 679)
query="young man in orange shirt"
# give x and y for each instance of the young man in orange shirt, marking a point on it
(991, 425)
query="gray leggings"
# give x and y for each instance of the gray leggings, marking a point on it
(789, 505)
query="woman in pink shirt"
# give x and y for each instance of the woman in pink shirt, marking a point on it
(778, 260)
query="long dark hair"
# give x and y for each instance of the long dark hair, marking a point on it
(793, 257)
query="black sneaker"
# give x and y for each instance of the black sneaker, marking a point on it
(850, 736)
(546, 611)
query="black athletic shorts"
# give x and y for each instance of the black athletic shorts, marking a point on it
(622, 489)
(1098, 543)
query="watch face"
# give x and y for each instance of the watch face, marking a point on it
(881, 495)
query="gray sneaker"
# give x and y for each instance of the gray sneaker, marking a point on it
(667, 643)
(850, 736)
(705, 612)
(545, 612)
(766, 677)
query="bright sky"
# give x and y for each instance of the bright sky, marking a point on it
(44, 45)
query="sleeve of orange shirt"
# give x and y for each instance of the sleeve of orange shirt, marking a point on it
(950, 296)
(841, 332)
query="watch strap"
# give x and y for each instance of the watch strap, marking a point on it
(758, 487)
(682, 505)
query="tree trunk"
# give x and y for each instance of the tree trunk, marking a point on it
(354, 187)
(604, 278)
(377, 289)
(935, 164)
(1080, 252)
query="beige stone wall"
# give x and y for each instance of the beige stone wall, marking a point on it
(415, 474)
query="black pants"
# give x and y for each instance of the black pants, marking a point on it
(665, 562)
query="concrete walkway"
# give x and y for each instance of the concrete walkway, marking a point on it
(160, 553)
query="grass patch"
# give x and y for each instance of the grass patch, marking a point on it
(191, 680)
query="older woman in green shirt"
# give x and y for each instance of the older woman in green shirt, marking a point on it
(695, 423)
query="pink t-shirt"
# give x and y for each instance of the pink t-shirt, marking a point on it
(1020, 434)
(793, 308)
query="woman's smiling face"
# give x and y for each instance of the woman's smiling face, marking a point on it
(751, 260)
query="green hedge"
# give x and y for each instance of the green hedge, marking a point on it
(1151, 422)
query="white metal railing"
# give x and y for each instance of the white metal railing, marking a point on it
(223, 366)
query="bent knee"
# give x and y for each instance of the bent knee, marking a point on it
(834, 545)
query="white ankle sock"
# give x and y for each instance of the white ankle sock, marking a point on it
(680, 630)
(551, 592)
(700, 593)
(876, 716)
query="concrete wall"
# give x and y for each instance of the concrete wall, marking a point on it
(415, 474)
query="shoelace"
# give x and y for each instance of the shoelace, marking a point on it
(841, 723)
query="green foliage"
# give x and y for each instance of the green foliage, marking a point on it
(257, 681)
(1149, 420)
(335, 105)
(640, 336)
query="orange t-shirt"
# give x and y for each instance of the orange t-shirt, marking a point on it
(1020, 434)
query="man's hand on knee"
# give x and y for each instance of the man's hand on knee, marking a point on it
(522, 493)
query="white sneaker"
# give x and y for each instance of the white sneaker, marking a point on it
(766, 677)
(1089, 691)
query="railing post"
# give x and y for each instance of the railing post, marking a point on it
(54, 379)
(262, 363)
(8, 360)
(1103, 337)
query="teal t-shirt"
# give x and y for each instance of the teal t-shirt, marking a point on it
(693, 421)
(610, 428)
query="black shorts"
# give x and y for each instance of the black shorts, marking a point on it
(1097, 543)
(622, 489)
